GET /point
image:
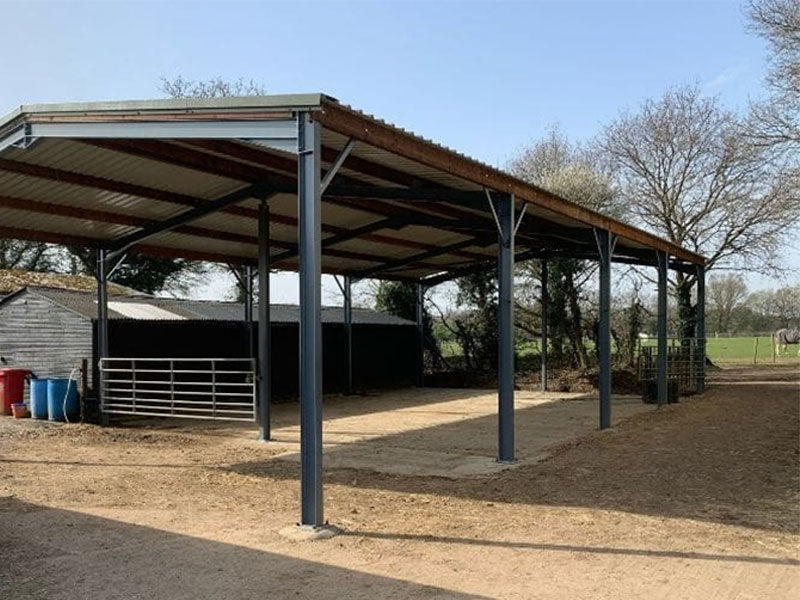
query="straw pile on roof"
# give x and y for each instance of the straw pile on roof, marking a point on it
(14, 280)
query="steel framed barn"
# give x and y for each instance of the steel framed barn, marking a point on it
(302, 182)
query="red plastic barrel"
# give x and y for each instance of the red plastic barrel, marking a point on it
(12, 388)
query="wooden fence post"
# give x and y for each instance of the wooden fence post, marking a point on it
(772, 345)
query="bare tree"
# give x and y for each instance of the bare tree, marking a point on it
(776, 121)
(687, 172)
(786, 305)
(575, 173)
(216, 87)
(725, 293)
(781, 305)
(568, 169)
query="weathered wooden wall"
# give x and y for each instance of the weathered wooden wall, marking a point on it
(43, 337)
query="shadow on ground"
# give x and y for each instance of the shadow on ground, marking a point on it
(728, 456)
(572, 548)
(59, 554)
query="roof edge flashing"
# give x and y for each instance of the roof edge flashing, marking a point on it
(287, 102)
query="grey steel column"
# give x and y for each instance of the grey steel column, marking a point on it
(700, 333)
(264, 368)
(419, 311)
(604, 244)
(543, 353)
(247, 289)
(347, 289)
(662, 259)
(101, 274)
(505, 327)
(310, 251)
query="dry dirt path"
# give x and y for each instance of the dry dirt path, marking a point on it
(698, 500)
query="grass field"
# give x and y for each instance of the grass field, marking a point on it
(743, 349)
(733, 350)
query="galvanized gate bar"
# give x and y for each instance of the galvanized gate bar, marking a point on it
(196, 388)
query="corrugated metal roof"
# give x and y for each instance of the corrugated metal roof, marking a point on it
(150, 308)
(143, 311)
(93, 191)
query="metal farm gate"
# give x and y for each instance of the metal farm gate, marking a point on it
(685, 360)
(194, 388)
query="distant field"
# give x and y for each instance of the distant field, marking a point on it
(720, 350)
(742, 349)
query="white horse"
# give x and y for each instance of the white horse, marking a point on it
(784, 337)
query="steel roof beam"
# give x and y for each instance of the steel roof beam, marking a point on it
(282, 182)
(337, 164)
(639, 258)
(404, 220)
(530, 253)
(224, 167)
(402, 262)
(476, 267)
(87, 242)
(382, 208)
(207, 208)
(359, 165)
(15, 138)
(100, 216)
(280, 134)
(93, 182)
(155, 250)
(276, 182)
(350, 234)
(49, 208)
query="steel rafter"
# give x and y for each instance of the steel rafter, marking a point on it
(207, 208)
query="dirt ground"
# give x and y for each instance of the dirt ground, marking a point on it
(430, 432)
(696, 500)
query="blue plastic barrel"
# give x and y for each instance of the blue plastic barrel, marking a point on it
(39, 398)
(57, 390)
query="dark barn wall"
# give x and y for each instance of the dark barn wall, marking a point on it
(41, 336)
(383, 355)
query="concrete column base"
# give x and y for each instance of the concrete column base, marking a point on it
(309, 533)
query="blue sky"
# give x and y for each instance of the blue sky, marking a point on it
(482, 77)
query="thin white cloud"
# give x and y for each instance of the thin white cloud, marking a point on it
(726, 76)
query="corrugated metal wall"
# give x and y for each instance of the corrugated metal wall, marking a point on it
(36, 334)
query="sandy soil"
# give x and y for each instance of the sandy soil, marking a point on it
(697, 500)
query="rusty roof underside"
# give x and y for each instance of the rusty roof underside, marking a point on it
(400, 207)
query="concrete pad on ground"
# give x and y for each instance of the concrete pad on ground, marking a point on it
(443, 432)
